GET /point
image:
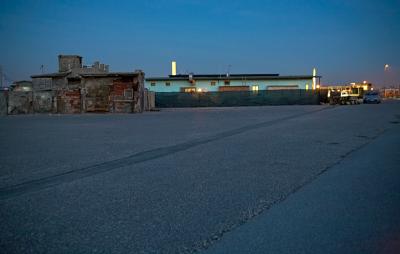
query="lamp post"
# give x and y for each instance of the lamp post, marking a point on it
(385, 71)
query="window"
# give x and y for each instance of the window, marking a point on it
(188, 89)
(167, 83)
(213, 83)
(153, 83)
(227, 82)
(128, 93)
(306, 86)
(254, 88)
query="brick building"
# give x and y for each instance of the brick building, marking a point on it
(77, 88)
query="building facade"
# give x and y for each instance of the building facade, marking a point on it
(233, 82)
(76, 88)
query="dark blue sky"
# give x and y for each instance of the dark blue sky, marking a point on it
(346, 40)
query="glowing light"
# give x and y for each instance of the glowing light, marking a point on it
(173, 68)
(314, 80)
(199, 90)
(372, 89)
(365, 82)
(318, 86)
(306, 86)
(386, 66)
(365, 88)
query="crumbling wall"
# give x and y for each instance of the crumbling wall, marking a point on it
(68, 62)
(149, 100)
(138, 82)
(42, 84)
(19, 102)
(3, 102)
(44, 102)
(59, 83)
(69, 101)
(122, 96)
(96, 94)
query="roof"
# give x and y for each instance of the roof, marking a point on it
(52, 75)
(22, 81)
(223, 75)
(70, 56)
(232, 77)
(110, 74)
(88, 75)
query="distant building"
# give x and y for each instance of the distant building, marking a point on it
(229, 82)
(20, 98)
(390, 92)
(21, 86)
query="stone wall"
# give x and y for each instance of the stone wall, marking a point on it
(44, 102)
(69, 101)
(19, 103)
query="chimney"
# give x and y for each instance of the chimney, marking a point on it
(173, 68)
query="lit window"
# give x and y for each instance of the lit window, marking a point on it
(213, 83)
(153, 83)
(254, 88)
(306, 86)
(167, 83)
(188, 89)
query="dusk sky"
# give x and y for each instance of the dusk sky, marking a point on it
(345, 40)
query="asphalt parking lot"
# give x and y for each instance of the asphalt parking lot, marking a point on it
(174, 181)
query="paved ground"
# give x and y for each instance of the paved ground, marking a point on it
(165, 182)
(353, 208)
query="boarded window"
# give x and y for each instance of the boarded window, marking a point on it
(128, 93)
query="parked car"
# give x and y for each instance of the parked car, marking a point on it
(372, 97)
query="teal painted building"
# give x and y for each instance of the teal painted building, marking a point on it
(232, 82)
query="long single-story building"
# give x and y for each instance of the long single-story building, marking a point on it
(229, 82)
(213, 90)
(232, 82)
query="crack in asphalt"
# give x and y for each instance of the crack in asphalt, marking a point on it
(265, 206)
(72, 175)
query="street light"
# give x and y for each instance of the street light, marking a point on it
(385, 71)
